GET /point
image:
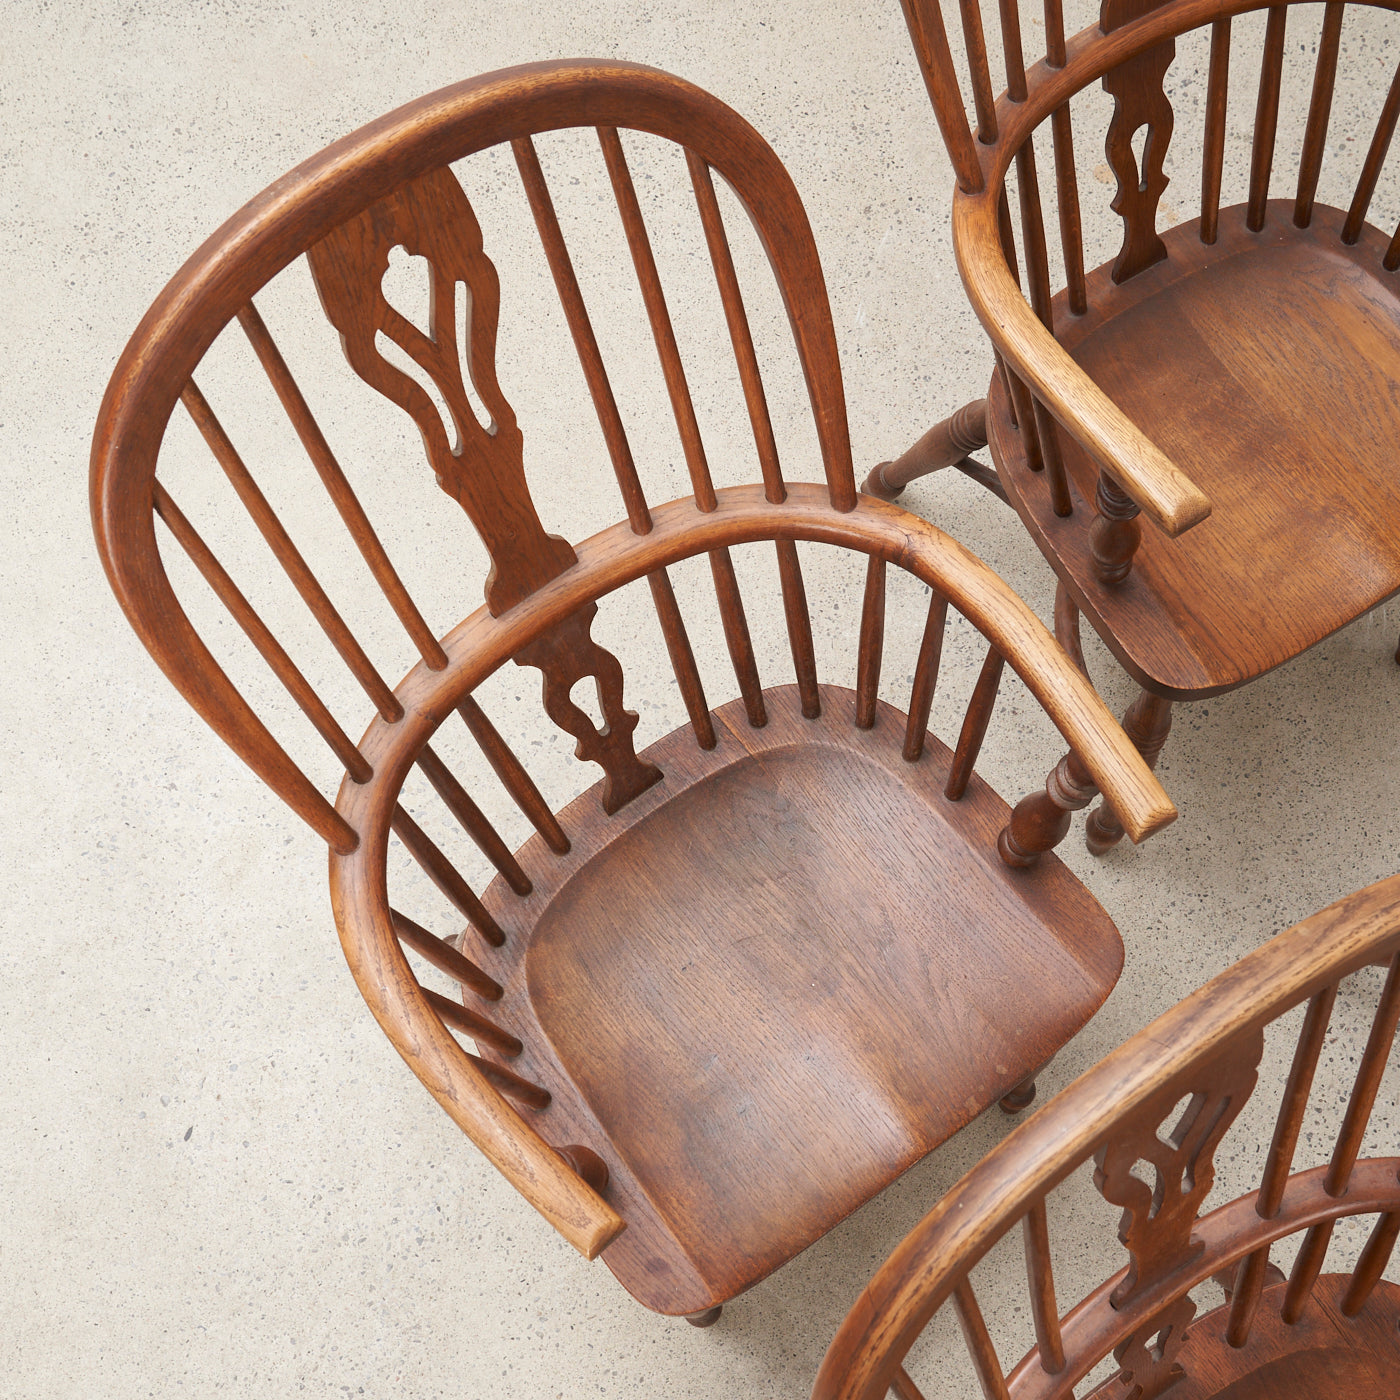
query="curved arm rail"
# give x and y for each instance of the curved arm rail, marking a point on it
(936, 1257)
(482, 643)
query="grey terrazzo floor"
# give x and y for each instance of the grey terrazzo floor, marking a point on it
(215, 1173)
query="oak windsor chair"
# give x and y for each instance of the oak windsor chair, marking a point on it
(765, 964)
(1153, 1118)
(1236, 378)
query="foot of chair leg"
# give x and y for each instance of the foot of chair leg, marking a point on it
(1147, 723)
(1020, 1098)
(708, 1318)
(942, 446)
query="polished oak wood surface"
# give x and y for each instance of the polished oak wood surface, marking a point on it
(729, 993)
(1153, 1119)
(1275, 381)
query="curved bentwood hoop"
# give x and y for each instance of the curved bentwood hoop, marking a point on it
(386, 193)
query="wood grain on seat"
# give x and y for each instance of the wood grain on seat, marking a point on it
(1275, 383)
(719, 972)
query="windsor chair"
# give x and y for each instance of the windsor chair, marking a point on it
(730, 992)
(1235, 379)
(1154, 1118)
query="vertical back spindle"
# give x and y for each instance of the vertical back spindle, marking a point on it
(1375, 159)
(644, 261)
(930, 39)
(1213, 159)
(445, 876)
(799, 628)
(473, 820)
(513, 777)
(1249, 1281)
(872, 643)
(736, 636)
(1375, 1255)
(1319, 112)
(1261, 163)
(1041, 1280)
(581, 329)
(738, 322)
(975, 42)
(678, 647)
(975, 721)
(925, 678)
(445, 957)
(338, 488)
(979, 1343)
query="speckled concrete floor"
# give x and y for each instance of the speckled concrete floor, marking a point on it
(217, 1175)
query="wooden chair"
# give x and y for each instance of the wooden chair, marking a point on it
(734, 989)
(1235, 379)
(1153, 1119)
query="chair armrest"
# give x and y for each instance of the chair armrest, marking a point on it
(481, 644)
(1163, 491)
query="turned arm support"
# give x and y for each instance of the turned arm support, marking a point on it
(1146, 474)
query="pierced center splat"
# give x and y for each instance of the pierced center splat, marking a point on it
(420, 250)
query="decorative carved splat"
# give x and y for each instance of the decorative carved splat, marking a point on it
(1138, 101)
(1156, 1225)
(1148, 1364)
(483, 470)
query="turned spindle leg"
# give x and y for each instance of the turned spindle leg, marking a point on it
(942, 446)
(708, 1318)
(1115, 533)
(1039, 822)
(1147, 723)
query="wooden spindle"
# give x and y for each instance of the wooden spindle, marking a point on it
(1261, 162)
(722, 260)
(1390, 262)
(1115, 533)
(925, 678)
(1033, 234)
(1021, 410)
(581, 329)
(983, 98)
(1319, 112)
(445, 957)
(1040, 821)
(521, 1090)
(444, 875)
(1249, 1282)
(1067, 202)
(975, 721)
(930, 39)
(1011, 51)
(663, 333)
(1375, 1255)
(257, 632)
(513, 777)
(799, 628)
(288, 555)
(736, 636)
(1367, 1085)
(1213, 159)
(1040, 1276)
(1313, 1252)
(872, 643)
(1054, 33)
(473, 820)
(338, 488)
(683, 666)
(1375, 159)
(979, 1342)
(481, 1030)
(1047, 433)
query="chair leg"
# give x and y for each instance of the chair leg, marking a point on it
(708, 1318)
(1021, 1097)
(942, 446)
(1147, 723)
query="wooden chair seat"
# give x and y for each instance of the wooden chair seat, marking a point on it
(736, 950)
(1275, 384)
